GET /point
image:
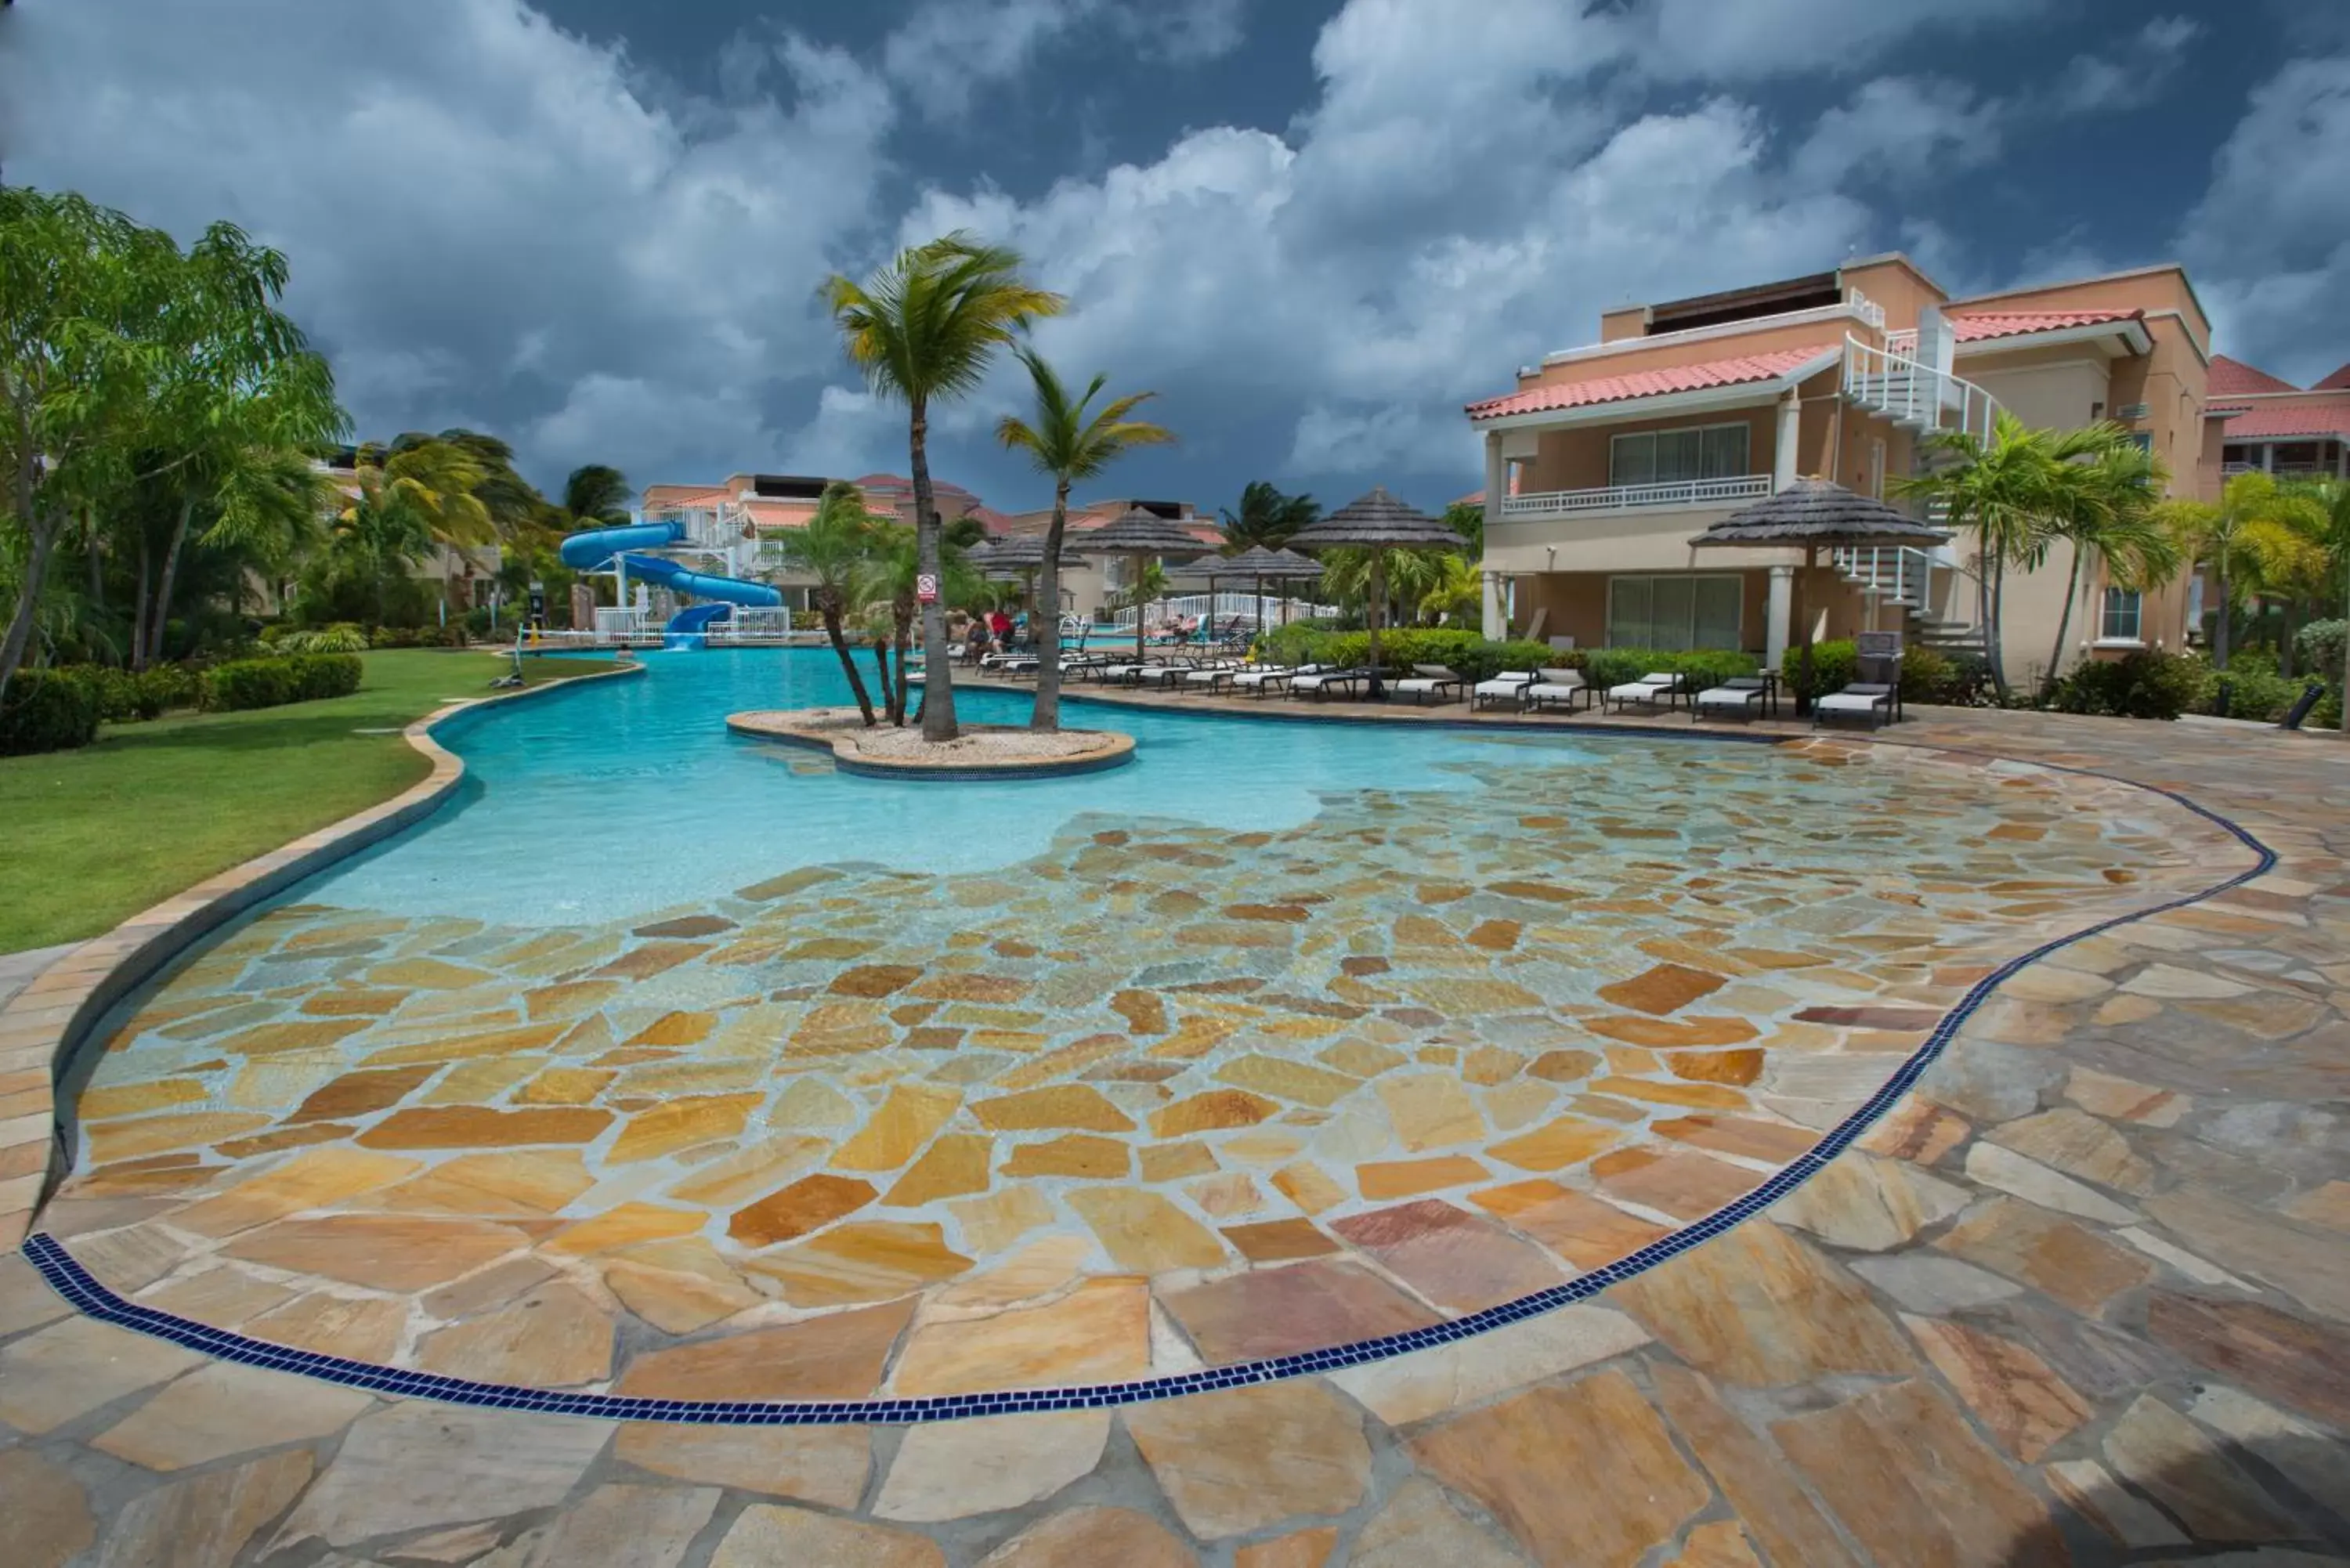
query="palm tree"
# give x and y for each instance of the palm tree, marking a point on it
(832, 548)
(598, 496)
(1066, 442)
(2007, 491)
(2106, 512)
(921, 329)
(1266, 517)
(1458, 589)
(2240, 538)
(413, 498)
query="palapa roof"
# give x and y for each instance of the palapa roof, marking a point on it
(1819, 511)
(1376, 522)
(1016, 553)
(1141, 533)
(1256, 561)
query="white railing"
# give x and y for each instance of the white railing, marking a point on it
(1912, 393)
(1624, 497)
(1222, 607)
(1900, 575)
(624, 623)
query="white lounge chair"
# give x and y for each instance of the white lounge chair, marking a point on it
(1322, 682)
(1427, 682)
(1211, 678)
(1740, 697)
(1657, 686)
(1270, 678)
(1868, 701)
(1506, 686)
(1556, 688)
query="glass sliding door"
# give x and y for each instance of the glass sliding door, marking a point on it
(1675, 613)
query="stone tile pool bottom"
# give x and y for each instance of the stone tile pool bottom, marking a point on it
(1161, 1097)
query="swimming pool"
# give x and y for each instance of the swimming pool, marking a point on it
(673, 1064)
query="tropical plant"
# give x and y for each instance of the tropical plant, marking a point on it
(2255, 527)
(833, 548)
(1146, 584)
(1467, 520)
(1267, 517)
(2106, 508)
(411, 499)
(1459, 591)
(598, 496)
(924, 329)
(1410, 576)
(1063, 438)
(2006, 491)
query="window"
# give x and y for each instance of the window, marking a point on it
(1674, 613)
(2119, 621)
(1676, 457)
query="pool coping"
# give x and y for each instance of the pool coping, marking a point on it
(84, 1291)
(44, 1027)
(770, 724)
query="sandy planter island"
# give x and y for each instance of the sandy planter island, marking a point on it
(992, 751)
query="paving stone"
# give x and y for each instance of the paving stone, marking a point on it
(1928, 1283)
(1084, 1537)
(955, 1164)
(555, 1337)
(808, 1204)
(1990, 1082)
(1460, 1261)
(1073, 1107)
(953, 1469)
(2091, 1492)
(364, 1328)
(1403, 1389)
(1903, 1472)
(1917, 1130)
(206, 1520)
(1382, 1179)
(895, 1132)
(2082, 1269)
(679, 1286)
(765, 1536)
(1098, 1332)
(2081, 1146)
(221, 1408)
(316, 1180)
(25, 1299)
(1758, 1306)
(64, 1371)
(1298, 1548)
(839, 1356)
(1869, 1205)
(682, 1123)
(628, 1527)
(1586, 1231)
(860, 1262)
(1419, 1528)
(1765, 1493)
(455, 1464)
(465, 1544)
(825, 1465)
(2164, 1455)
(383, 1252)
(510, 1183)
(1145, 1232)
(2012, 1173)
(480, 1127)
(1241, 1458)
(2306, 1456)
(2311, 1267)
(48, 1513)
(1633, 1488)
(1309, 1305)
(1718, 1545)
(2015, 1395)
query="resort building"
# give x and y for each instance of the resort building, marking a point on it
(2279, 428)
(739, 523)
(1086, 589)
(1608, 458)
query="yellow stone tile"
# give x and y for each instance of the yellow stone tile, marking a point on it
(1082, 1154)
(1568, 1140)
(1173, 1161)
(565, 1086)
(508, 1182)
(313, 1179)
(682, 1123)
(1262, 1145)
(1098, 1332)
(954, 1165)
(1211, 1112)
(1711, 1096)
(991, 1224)
(905, 1121)
(728, 1182)
(627, 1223)
(110, 1141)
(1430, 1110)
(1407, 1178)
(1289, 1080)
(98, 1103)
(1226, 1194)
(1143, 1232)
(1077, 1107)
(475, 1083)
(812, 1102)
(863, 1261)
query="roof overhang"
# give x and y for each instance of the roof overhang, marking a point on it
(1739, 394)
(2130, 333)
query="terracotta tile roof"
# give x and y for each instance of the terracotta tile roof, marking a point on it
(1651, 383)
(2314, 416)
(2234, 378)
(2338, 382)
(1981, 326)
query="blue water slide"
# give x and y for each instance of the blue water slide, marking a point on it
(596, 548)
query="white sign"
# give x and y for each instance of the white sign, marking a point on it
(926, 589)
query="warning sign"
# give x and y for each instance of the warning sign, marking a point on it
(926, 589)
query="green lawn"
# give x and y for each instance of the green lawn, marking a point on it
(93, 836)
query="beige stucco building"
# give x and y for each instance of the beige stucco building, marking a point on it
(1609, 457)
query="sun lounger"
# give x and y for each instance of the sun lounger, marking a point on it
(1211, 678)
(1657, 686)
(1428, 682)
(1740, 697)
(1508, 686)
(1273, 677)
(1323, 683)
(1867, 700)
(1555, 688)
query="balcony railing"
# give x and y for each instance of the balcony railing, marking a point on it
(1627, 497)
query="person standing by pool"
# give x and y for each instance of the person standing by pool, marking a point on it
(999, 626)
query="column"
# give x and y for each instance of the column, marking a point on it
(1497, 490)
(1779, 612)
(1783, 468)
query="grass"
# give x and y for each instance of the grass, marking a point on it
(94, 836)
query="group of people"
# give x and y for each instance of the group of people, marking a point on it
(983, 634)
(1177, 629)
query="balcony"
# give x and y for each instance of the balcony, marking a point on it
(1686, 492)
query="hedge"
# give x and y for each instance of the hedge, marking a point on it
(272, 682)
(1470, 655)
(1928, 675)
(47, 711)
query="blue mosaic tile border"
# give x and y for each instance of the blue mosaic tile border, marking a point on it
(76, 1284)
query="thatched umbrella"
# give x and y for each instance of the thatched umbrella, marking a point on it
(1136, 534)
(1271, 565)
(1018, 558)
(1812, 512)
(1377, 523)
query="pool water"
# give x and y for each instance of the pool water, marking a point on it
(623, 797)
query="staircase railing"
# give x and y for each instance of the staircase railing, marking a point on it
(1913, 393)
(1900, 575)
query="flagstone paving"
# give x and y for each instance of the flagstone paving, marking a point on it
(2085, 1297)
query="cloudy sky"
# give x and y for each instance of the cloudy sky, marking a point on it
(598, 226)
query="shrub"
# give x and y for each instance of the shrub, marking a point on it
(343, 637)
(166, 687)
(271, 682)
(47, 711)
(2144, 685)
(2319, 647)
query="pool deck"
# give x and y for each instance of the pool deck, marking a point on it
(2083, 1297)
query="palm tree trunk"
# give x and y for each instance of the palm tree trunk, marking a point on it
(829, 606)
(2219, 622)
(903, 619)
(1983, 616)
(140, 608)
(938, 681)
(2063, 622)
(1990, 629)
(153, 651)
(1047, 714)
(890, 711)
(2284, 638)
